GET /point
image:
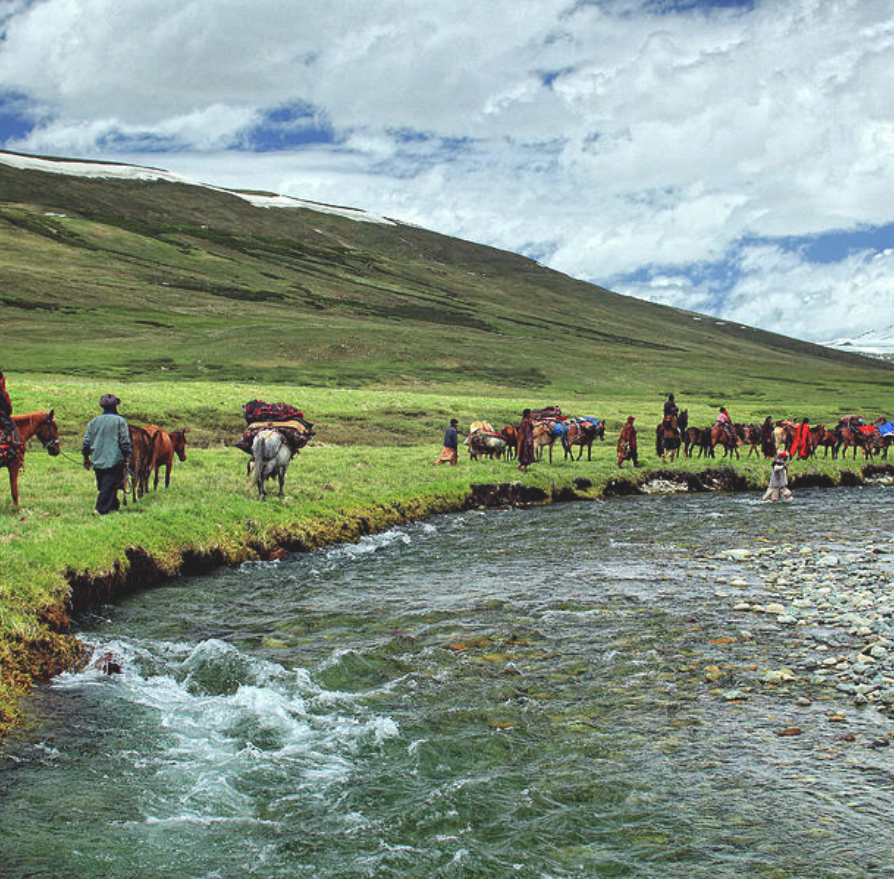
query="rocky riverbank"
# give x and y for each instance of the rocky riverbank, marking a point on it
(836, 605)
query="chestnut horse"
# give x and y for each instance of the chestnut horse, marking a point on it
(166, 446)
(510, 434)
(142, 442)
(726, 436)
(39, 424)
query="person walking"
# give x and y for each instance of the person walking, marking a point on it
(450, 452)
(525, 442)
(778, 487)
(627, 444)
(801, 443)
(107, 450)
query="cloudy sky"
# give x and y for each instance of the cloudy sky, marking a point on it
(734, 157)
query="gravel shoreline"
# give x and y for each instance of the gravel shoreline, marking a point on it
(838, 607)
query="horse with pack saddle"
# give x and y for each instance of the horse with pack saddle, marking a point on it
(274, 434)
(485, 442)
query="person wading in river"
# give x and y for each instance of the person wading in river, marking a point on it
(449, 454)
(778, 487)
(107, 443)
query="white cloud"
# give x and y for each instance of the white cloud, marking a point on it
(609, 138)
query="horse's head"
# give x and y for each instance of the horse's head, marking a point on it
(178, 441)
(48, 433)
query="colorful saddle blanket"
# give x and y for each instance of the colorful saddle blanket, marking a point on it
(258, 410)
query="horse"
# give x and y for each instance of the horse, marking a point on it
(692, 439)
(510, 433)
(143, 443)
(43, 426)
(828, 440)
(668, 438)
(753, 436)
(543, 436)
(726, 436)
(852, 437)
(581, 432)
(166, 446)
(482, 444)
(271, 455)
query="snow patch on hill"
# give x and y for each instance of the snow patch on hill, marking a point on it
(876, 342)
(114, 171)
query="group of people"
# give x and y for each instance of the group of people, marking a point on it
(524, 449)
(627, 445)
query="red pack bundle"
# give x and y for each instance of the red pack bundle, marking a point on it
(258, 410)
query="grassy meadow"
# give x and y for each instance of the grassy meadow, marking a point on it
(373, 449)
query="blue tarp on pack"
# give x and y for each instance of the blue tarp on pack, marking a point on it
(886, 429)
(593, 420)
(560, 429)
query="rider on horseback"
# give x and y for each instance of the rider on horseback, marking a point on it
(667, 434)
(9, 433)
(726, 424)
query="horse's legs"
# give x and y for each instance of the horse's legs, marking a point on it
(168, 473)
(14, 484)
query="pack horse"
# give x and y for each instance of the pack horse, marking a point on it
(272, 456)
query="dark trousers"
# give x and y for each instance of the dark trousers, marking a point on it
(108, 482)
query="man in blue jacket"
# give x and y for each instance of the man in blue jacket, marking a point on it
(107, 443)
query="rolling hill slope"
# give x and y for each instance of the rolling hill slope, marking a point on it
(122, 277)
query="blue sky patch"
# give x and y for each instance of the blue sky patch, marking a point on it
(287, 127)
(16, 117)
(834, 246)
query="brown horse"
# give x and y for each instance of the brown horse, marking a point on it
(727, 437)
(166, 446)
(850, 436)
(753, 436)
(582, 432)
(39, 424)
(143, 444)
(510, 434)
(828, 440)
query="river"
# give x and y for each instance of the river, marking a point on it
(578, 690)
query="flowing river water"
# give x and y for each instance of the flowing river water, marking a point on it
(596, 690)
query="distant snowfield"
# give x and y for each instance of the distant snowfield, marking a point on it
(135, 172)
(879, 343)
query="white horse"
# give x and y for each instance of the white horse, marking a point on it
(272, 456)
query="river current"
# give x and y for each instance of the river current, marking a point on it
(504, 693)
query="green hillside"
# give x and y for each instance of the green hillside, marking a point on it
(158, 280)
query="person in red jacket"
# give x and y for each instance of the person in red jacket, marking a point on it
(801, 442)
(627, 444)
(7, 425)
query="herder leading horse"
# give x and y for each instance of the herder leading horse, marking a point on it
(39, 424)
